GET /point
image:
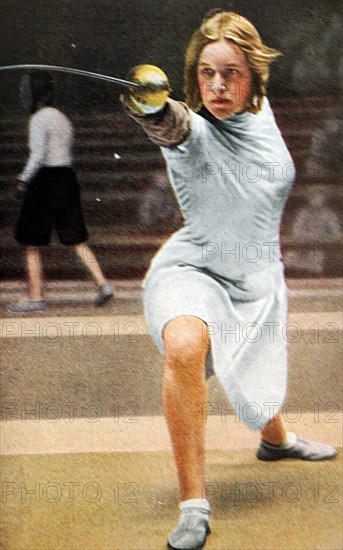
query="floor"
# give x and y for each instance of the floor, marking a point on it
(86, 457)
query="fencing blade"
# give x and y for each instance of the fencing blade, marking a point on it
(69, 70)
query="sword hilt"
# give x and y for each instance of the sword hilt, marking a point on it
(152, 92)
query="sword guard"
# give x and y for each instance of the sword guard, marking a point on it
(152, 92)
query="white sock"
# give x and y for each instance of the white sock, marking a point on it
(291, 438)
(201, 503)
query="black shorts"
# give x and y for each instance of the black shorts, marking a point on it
(52, 201)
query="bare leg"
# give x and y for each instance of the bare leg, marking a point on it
(184, 399)
(275, 432)
(89, 260)
(34, 271)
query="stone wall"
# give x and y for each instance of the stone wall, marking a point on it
(111, 36)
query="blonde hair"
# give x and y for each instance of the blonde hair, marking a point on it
(231, 26)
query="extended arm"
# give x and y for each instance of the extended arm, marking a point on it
(168, 127)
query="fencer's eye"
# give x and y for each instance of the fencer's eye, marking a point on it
(207, 71)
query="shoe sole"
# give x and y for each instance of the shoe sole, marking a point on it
(99, 303)
(25, 312)
(208, 532)
(274, 459)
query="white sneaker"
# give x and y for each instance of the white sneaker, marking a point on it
(192, 530)
(105, 293)
(27, 306)
(301, 448)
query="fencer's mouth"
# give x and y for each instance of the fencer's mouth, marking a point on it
(221, 101)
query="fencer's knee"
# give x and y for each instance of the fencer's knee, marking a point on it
(186, 342)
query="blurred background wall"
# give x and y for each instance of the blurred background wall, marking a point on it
(129, 206)
(111, 36)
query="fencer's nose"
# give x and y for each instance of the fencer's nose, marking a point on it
(219, 85)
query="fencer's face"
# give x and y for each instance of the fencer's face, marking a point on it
(224, 78)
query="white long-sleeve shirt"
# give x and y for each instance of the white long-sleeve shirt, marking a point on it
(50, 141)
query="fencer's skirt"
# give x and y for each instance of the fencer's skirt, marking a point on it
(247, 328)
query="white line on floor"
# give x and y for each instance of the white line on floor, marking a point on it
(147, 433)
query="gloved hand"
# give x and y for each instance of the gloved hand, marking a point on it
(20, 190)
(152, 93)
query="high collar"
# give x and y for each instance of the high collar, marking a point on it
(236, 120)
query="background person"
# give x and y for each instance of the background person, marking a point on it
(50, 192)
